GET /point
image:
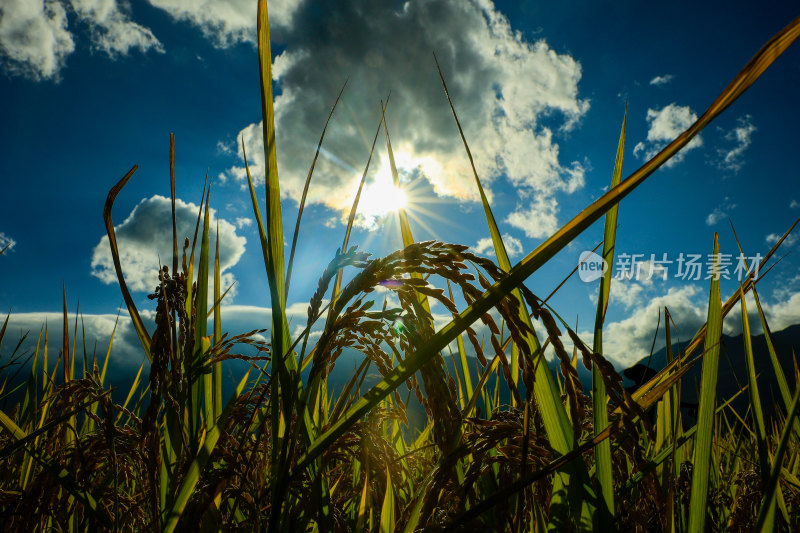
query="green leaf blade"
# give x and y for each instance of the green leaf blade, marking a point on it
(702, 461)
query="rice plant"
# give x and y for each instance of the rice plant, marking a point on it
(284, 453)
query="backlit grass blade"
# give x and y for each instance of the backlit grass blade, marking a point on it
(312, 393)
(755, 398)
(460, 391)
(30, 407)
(556, 421)
(195, 292)
(102, 376)
(755, 404)
(671, 430)
(561, 462)
(191, 364)
(337, 284)
(783, 385)
(262, 234)
(273, 251)
(131, 392)
(434, 379)
(275, 406)
(767, 504)
(387, 509)
(490, 368)
(275, 273)
(190, 267)
(422, 489)
(201, 326)
(602, 453)
(141, 331)
(217, 370)
(172, 203)
(701, 461)
(65, 336)
(3, 329)
(699, 337)
(23, 438)
(302, 203)
(197, 466)
(655, 461)
(30, 402)
(405, 228)
(494, 231)
(549, 248)
(361, 519)
(462, 355)
(68, 366)
(218, 301)
(345, 393)
(283, 389)
(60, 474)
(48, 380)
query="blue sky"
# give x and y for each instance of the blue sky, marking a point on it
(91, 87)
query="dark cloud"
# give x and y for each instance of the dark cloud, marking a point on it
(502, 86)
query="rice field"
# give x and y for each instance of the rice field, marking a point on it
(285, 453)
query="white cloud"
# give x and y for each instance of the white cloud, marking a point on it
(715, 216)
(112, 31)
(651, 269)
(662, 80)
(624, 342)
(629, 294)
(483, 246)
(486, 247)
(781, 311)
(243, 222)
(794, 204)
(227, 22)
(628, 340)
(741, 136)
(34, 40)
(720, 212)
(790, 240)
(785, 313)
(242, 318)
(502, 86)
(6, 240)
(634, 279)
(225, 147)
(538, 220)
(145, 238)
(665, 125)
(126, 352)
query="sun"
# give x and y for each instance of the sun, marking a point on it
(381, 197)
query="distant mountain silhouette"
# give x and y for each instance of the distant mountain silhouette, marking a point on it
(732, 375)
(732, 369)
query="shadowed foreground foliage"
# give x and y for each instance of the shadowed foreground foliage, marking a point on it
(285, 453)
